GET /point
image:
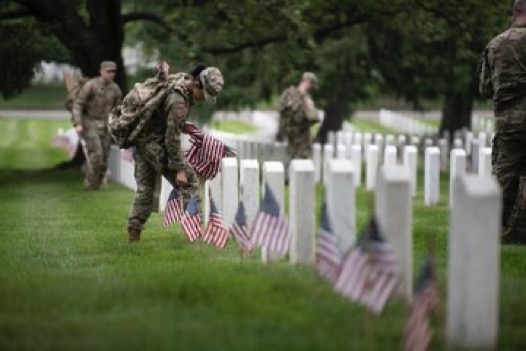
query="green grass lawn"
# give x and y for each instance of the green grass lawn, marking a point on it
(366, 125)
(44, 96)
(69, 280)
(27, 143)
(235, 127)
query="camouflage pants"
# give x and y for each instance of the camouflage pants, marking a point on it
(146, 177)
(509, 167)
(298, 147)
(98, 144)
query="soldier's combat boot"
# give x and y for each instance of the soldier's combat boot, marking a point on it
(134, 235)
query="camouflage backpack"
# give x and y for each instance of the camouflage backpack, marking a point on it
(128, 119)
(73, 93)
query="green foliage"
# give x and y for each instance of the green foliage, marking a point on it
(435, 49)
(22, 47)
(39, 96)
(360, 49)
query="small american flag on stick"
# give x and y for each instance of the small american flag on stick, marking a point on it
(270, 229)
(418, 334)
(328, 256)
(370, 272)
(215, 232)
(239, 230)
(173, 211)
(191, 221)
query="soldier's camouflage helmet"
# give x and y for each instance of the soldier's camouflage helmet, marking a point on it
(212, 81)
(309, 76)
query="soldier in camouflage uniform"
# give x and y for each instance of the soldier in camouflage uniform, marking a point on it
(503, 79)
(94, 101)
(297, 114)
(158, 146)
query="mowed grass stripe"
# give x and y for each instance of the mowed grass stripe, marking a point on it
(27, 144)
(69, 278)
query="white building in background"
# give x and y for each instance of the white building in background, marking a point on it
(135, 57)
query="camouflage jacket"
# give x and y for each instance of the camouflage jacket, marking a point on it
(297, 111)
(95, 101)
(160, 139)
(502, 71)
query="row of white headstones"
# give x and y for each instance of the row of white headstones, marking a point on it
(394, 120)
(474, 249)
(405, 124)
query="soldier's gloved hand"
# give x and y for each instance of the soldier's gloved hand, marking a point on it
(79, 129)
(181, 179)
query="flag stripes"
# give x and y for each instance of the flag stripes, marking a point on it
(205, 154)
(173, 211)
(328, 256)
(191, 221)
(215, 232)
(271, 232)
(370, 272)
(239, 230)
(418, 333)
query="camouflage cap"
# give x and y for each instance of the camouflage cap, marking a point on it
(311, 77)
(212, 81)
(107, 65)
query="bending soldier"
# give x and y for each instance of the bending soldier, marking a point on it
(158, 146)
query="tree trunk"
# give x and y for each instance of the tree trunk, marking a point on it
(335, 112)
(89, 44)
(456, 112)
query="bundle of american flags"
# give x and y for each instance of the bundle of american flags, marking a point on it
(173, 212)
(206, 152)
(370, 271)
(239, 230)
(426, 298)
(215, 232)
(270, 229)
(328, 256)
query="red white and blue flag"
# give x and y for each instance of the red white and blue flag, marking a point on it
(370, 271)
(206, 152)
(215, 231)
(418, 334)
(173, 211)
(239, 230)
(328, 256)
(270, 229)
(191, 221)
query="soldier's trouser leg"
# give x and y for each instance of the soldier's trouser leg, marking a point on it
(95, 157)
(509, 167)
(142, 206)
(189, 191)
(297, 149)
(106, 148)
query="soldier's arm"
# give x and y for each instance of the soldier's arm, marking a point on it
(176, 109)
(283, 102)
(485, 83)
(118, 96)
(311, 112)
(80, 101)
